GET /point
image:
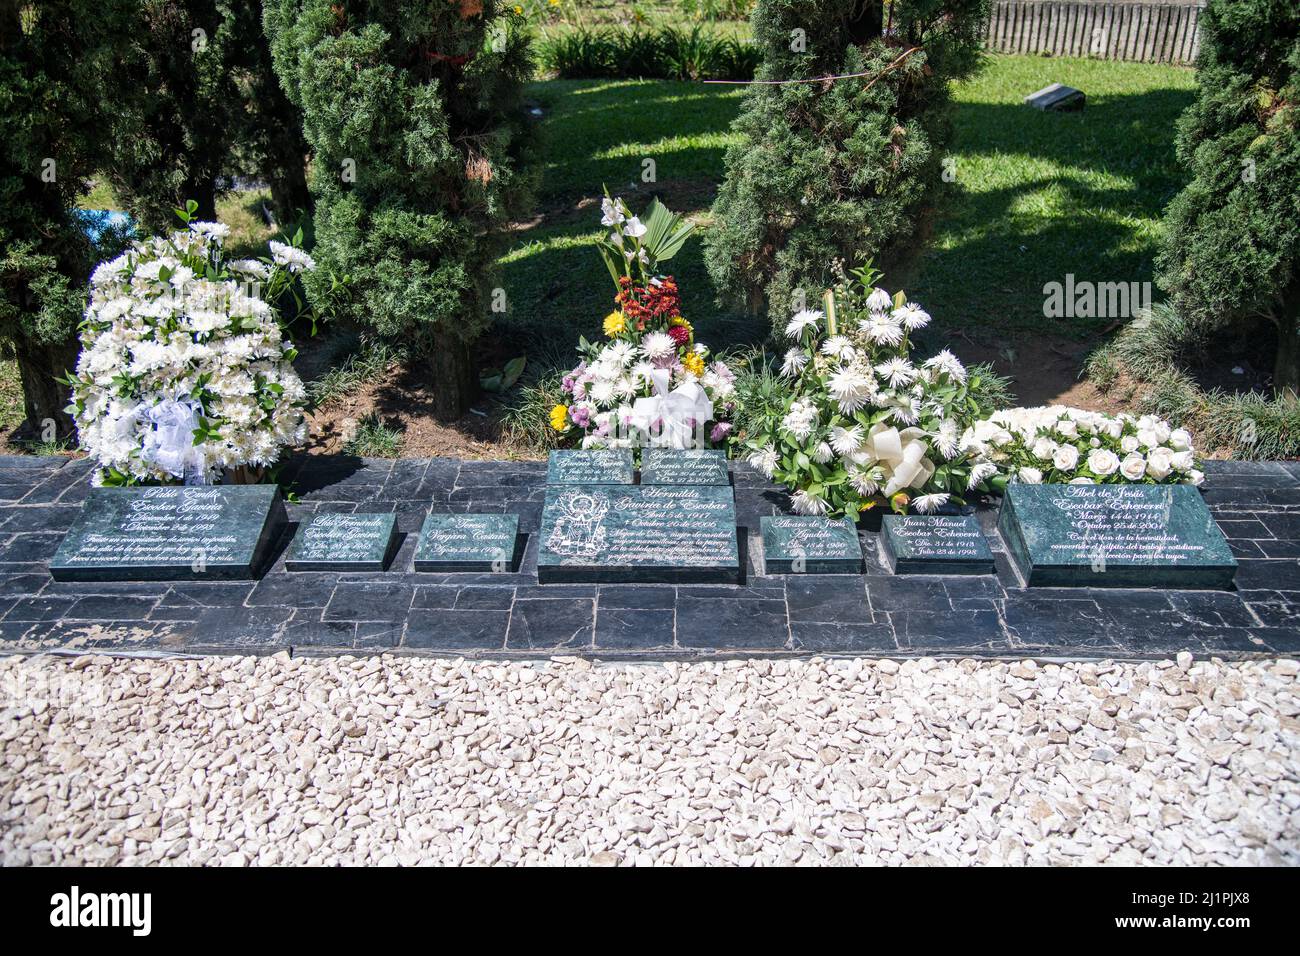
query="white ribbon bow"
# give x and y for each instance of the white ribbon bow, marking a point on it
(677, 413)
(169, 442)
(902, 455)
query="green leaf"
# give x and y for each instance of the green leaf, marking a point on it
(666, 232)
(614, 267)
(514, 368)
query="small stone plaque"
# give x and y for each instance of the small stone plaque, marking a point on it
(935, 544)
(465, 542)
(599, 466)
(170, 533)
(1159, 536)
(682, 534)
(343, 542)
(691, 466)
(1057, 97)
(800, 544)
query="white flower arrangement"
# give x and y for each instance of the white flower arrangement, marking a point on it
(651, 384)
(861, 423)
(184, 371)
(1058, 444)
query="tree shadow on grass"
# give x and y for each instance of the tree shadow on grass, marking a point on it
(1095, 214)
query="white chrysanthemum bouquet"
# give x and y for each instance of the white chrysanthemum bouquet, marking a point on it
(1059, 444)
(184, 372)
(862, 424)
(650, 383)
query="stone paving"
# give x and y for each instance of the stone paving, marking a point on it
(510, 615)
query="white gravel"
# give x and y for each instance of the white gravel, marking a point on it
(398, 760)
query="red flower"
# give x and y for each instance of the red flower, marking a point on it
(679, 334)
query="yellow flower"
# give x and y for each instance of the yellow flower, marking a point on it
(614, 324)
(678, 320)
(560, 417)
(519, 10)
(694, 363)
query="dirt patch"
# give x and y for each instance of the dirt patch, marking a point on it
(1043, 370)
(403, 399)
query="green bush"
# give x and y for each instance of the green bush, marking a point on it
(1233, 234)
(375, 439)
(198, 103)
(844, 168)
(1147, 358)
(53, 60)
(415, 114)
(664, 54)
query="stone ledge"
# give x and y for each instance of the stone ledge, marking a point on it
(509, 615)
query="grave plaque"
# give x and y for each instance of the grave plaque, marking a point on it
(682, 534)
(465, 542)
(343, 542)
(170, 533)
(605, 466)
(691, 466)
(935, 544)
(800, 544)
(1159, 536)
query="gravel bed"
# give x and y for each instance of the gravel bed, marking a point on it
(400, 760)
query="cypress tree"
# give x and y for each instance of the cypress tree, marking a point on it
(179, 108)
(1233, 233)
(836, 168)
(413, 111)
(53, 59)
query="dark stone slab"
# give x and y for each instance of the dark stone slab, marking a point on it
(722, 620)
(1114, 536)
(935, 544)
(818, 637)
(620, 628)
(948, 630)
(384, 599)
(1057, 97)
(170, 533)
(608, 466)
(343, 542)
(456, 630)
(828, 600)
(618, 535)
(799, 544)
(551, 623)
(691, 466)
(469, 542)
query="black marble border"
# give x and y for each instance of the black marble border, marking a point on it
(510, 615)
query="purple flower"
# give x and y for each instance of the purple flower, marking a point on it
(720, 431)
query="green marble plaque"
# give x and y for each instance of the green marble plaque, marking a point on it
(801, 544)
(468, 542)
(171, 533)
(691, 466)
(343, 542)
(1157, 536)
(607, 466)
(935, 544)
(615, 534)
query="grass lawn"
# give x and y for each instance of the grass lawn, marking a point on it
(1037, 195)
